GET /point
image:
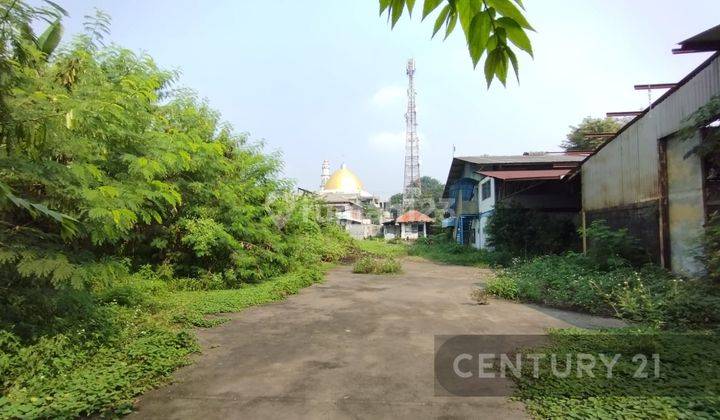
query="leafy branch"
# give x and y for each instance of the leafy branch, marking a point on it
(488, 25)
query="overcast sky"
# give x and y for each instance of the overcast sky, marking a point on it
(325, 79)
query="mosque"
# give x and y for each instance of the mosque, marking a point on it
(346, 197)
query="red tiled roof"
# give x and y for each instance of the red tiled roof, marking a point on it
(413, 216)
(527, 175)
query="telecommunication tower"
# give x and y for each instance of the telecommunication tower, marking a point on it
(411, 184)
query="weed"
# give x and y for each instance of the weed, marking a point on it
(375, 265)
(480, 296)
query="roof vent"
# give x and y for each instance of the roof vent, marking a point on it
(534, 153)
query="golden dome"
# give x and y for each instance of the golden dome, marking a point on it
(343, 180)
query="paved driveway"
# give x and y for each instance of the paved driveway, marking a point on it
(356, 346)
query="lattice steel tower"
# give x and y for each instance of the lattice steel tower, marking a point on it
(411, 185)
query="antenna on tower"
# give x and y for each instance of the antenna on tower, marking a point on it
(411, 184)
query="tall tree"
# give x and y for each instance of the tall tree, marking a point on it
(578, 139)
(430, 198)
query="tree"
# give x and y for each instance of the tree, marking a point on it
(577, 139)
(430, 197)
(488, 25)
(371, 212)
(127, 171)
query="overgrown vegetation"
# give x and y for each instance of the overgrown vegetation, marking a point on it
(377, 265)
(687, 388)
(113, 345)
(382, 248)
(605, 282)
(711, 247)
(516, 232)
(442, 249)
(128, 211)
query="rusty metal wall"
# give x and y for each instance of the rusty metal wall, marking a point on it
(625, 171)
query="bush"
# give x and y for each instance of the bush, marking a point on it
(519, 232)
(649, 295)
(375, 265)
(711, 247)
(613, 247)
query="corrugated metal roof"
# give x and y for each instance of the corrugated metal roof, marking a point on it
(527, 175)
(529, 158)
(413, 216)
(705, 41)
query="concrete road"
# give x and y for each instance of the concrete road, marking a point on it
(356, 346)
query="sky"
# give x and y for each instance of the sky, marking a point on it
(325, 79)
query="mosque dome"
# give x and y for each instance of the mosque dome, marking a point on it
(343, 180)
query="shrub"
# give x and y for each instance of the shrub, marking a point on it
(521, 232)
(503, 287)
(375, 265)
(711, 247)
(649, 295)
(613, 247)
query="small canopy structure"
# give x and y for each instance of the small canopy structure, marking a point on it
(410, 225)
(414, 216)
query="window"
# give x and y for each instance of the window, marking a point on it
(485, 190)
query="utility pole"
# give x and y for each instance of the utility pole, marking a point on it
(411, 185)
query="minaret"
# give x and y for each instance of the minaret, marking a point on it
(411, 184)
(325, 174)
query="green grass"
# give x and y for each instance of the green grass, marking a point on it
(127, 340)
(382, 248)
(660, 304)
(688, 386)
(440, 249)
(377, 265)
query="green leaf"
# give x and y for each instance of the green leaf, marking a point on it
(396, 11)
(478, 36)
(515, 34)
(451, 22)
(491, 63)
(27, 33)
(384, 4)
(50, 38)
(410, 6)
(501, 69)
(429, 6)
(442, 17)
(514, 62)
(467, 10)
(507, 9)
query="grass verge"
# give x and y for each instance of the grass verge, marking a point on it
(440, 249)
(686, 385)
(382, 248)
(129, 339)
